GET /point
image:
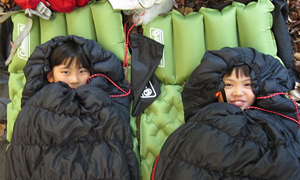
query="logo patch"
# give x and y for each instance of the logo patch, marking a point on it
(149, 91)
(24, 48)
(158, 35)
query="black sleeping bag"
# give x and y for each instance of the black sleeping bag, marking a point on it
(221, 141)
(62, 133)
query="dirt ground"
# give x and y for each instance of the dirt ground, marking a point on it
(294, 24)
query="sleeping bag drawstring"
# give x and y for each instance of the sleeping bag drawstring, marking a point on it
(125, 61)
(154, 167)
(122, 95)
(275, 94)
(127, 42)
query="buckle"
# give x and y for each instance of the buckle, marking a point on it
(43, 10)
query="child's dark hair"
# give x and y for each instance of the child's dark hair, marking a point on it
(69, 49)
(243, 70)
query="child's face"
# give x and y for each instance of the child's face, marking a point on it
(238, 91)
(74, 75)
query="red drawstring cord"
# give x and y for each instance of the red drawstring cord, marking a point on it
(279, 93)
(122, 95)
(125, 61)
(154, 168)
(127, 42)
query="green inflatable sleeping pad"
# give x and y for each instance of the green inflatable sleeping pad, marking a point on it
(186, 38)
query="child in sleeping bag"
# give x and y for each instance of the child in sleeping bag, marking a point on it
(74, 122)
(239, 122)
(69, 65)
(238, 87)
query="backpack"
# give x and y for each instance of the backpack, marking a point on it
(43, 9)
(65, 6)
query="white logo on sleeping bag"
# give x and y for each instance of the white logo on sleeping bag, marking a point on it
(158, 35)
(149, 91)
(23, 49)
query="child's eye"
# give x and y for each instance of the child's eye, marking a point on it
(227, 85)
(65, 72)
(83, 71)
(248, 85)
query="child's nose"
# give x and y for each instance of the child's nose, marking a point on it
(74, 79)
(238, 91)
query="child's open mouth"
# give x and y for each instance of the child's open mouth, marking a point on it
(238, 103)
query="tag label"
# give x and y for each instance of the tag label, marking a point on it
(149, 91)
(24, 48)
(158, 35)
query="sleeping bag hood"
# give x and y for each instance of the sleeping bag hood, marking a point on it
(268, 76)
(101, 62)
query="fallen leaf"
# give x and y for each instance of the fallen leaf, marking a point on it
(2, 130)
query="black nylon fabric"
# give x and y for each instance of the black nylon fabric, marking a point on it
(221, 141)
(146, 55)
(102, 61)
(3, 140)
(283, 38)
(6, 29)
(62, 133)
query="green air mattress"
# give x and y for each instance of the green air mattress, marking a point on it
(189, 43)
(254, 22)
(220, 27)
(160, 29)
(158, 121)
